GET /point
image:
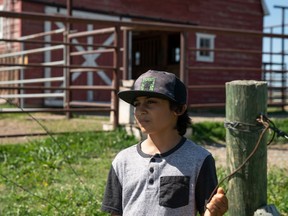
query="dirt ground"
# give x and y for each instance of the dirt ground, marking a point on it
(277, 154)
(45, 123)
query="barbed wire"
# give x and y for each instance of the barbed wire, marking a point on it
(273, 127)
(264, 124)
(244, 127)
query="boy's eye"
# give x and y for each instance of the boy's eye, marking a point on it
(135, 104)
(147, 101)
(151, 101)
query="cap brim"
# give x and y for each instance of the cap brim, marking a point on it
(129, 96)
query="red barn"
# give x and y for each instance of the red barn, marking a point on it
(218, 48)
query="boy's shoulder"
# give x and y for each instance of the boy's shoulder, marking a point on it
(192, 146)
(129, 151)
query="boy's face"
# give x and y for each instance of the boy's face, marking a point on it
(153, 115)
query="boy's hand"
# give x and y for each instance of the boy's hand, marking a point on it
(218, 204)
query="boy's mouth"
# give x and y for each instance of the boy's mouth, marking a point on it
(142, 121)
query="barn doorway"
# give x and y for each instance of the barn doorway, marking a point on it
(155, 50)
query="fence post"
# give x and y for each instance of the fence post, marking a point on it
(247, 189)
(68, 61)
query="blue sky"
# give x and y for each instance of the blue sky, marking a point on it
(275, 18)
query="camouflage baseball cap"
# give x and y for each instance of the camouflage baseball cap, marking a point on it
(158, 84)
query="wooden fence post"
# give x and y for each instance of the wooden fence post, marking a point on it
(247, 189)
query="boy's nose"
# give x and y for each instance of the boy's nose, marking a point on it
(140, 110)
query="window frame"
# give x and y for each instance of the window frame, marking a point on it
(211, 38)
(1, 22)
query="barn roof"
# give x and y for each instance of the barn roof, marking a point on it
(265, 8)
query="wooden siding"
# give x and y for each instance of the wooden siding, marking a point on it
(236, 14)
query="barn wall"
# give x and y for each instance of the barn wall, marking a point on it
(91, 78)
(241, 15)
(11, 27)
(236, 14)
(30, 27)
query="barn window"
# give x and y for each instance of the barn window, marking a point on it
(177, 54)
(205, 42)
(1, 23)
(137, 58)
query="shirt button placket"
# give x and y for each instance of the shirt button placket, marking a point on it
(152, 165)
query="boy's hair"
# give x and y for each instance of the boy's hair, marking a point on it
(183, 121)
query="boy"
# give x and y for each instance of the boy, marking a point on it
(166, 174)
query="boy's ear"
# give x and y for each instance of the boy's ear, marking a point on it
(181, 109)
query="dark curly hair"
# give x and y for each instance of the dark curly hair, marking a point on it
(184, 120)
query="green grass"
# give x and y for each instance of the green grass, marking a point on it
(278, 190)
(208, 132)
(67, 176)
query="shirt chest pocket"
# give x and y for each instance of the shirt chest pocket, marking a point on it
(174, 191)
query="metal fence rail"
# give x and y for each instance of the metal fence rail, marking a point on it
(20, 86)
(19, 62)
